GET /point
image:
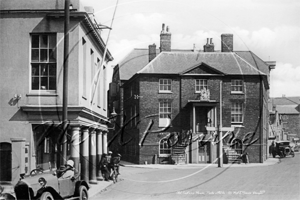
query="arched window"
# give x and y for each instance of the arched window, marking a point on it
(164, 149)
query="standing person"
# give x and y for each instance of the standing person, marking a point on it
(109, 159)
(104, 167)
(271, 148)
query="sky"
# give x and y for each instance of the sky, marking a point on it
(268, 28)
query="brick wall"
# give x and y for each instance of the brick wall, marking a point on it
(147, 88)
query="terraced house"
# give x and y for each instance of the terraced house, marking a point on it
(31, 36)
(167, 98)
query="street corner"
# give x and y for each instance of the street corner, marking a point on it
(101, 186)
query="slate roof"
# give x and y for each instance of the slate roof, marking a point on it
(286, 100)
(287, 109)
(226, 62)
(136, 60)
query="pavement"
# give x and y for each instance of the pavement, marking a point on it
(102, 185)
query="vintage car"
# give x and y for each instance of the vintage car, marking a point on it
(283, 149)
(56, 187)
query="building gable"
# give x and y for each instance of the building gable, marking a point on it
(201, 68)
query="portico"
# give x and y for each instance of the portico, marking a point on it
(86, 139)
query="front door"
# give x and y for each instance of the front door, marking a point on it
(5, 160)
(204, 152)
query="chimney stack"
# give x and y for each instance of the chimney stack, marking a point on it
(152, 52)
(209, 47)
(165, 39)
(227, 42)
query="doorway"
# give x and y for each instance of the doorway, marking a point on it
(5, 160)
(204, 152)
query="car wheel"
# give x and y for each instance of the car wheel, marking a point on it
(46, 196)
(83, 193)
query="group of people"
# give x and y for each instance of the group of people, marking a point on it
(109, 165)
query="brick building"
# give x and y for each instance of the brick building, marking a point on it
(165, 100)
(32, 57)
(288, 109)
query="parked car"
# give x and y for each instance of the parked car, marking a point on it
(283, 149)
(56, 187)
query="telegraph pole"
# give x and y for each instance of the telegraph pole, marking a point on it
(220, 145)
(65, 81)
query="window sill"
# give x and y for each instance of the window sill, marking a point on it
(236, 92)
(45, 94)
(165, 92)
(164, 155)
(238, 125)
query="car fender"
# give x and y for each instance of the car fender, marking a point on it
(53, 192)
(78, 184)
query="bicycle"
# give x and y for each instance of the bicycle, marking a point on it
(114, 174)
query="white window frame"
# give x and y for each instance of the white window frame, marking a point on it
(165, 85)
(165, 112)
(237, 112)
(42, 69)
(200, 84)
(164, 149)
(237, 86)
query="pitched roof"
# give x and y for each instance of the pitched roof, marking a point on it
(287, 109)
(133, 62)
(227, 62)
(286, 100)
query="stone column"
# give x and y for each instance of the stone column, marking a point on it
(92, 156)
(99, 155)
(63, 154)
(75, 149)
(104, 142)
(84, 159)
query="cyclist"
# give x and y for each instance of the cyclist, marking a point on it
(116, 163)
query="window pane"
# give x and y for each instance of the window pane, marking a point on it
(44, 83)
(35, 70)
(52, 41)
(52, 55)
(35, 55)
(44, 70)
(44, 56)
(35, 41)
(44, 41)
(52, 69)
(52, 83)
(35, 83)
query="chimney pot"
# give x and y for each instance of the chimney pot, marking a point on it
(209, 47)
(165, 40)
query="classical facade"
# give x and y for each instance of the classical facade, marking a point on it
(170, 102)
(32, 46)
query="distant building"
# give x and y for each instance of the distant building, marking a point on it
(288, 109)
(32, 46)
(175, 95)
